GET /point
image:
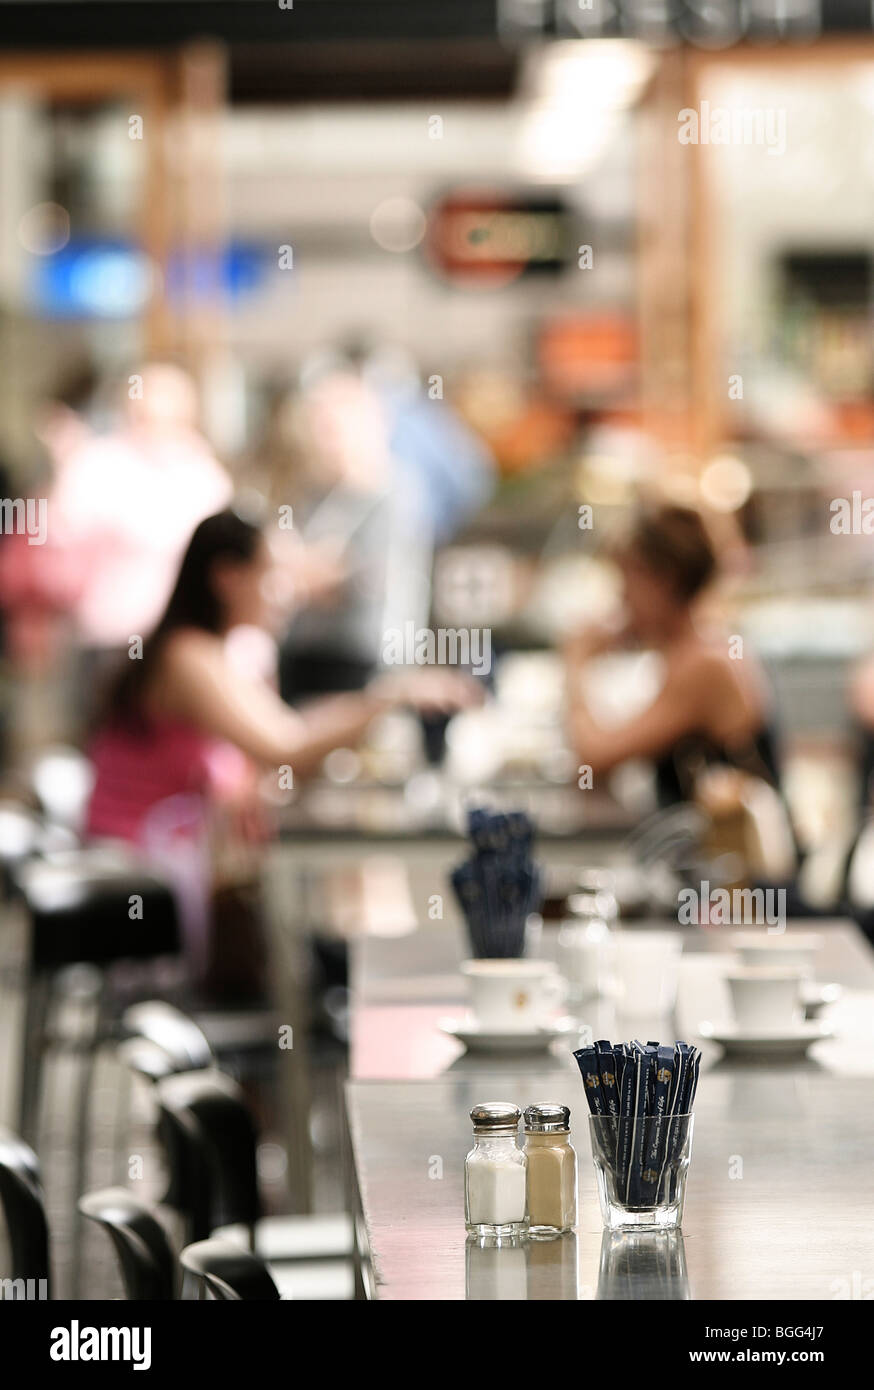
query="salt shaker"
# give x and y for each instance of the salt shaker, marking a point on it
(494, 1173)
(552, 1170)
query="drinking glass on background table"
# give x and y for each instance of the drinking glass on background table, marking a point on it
(582, 949)
(583, 937)
(645, 969)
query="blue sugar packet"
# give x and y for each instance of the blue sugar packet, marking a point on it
(607, 1071)
(640, 1064)
(662, 1074)
(681, 1071)
(679, 1101)
(587, 1061)
(609, 1087)
(619, 1058)
(650, 1050)
(627, 1099)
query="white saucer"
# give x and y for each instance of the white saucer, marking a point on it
(481, 1039)
(765, 1042)
(815, 997)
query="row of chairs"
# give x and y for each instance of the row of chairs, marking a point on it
(210, 1143)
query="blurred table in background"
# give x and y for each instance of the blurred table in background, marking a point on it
(402, 988)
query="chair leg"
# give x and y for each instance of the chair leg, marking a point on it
(82, 1122)
(33, 1042)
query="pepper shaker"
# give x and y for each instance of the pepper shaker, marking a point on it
(552, 1170)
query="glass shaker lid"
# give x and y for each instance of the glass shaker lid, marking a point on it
(495, 1114)
(547, 1118)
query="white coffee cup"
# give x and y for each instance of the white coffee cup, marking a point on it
(515, 995)
(766, 997)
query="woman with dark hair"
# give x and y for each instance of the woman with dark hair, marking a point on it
(711, 708)
(181, 706)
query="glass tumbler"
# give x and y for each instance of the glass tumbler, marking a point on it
(641, 1165)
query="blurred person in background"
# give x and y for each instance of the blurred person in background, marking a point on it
(186, 730)
(123, 507)
(711, 709)
(345, 526)
(388, 473)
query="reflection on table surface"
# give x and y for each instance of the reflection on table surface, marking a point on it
(633, 1266)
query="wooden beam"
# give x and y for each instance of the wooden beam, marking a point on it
(84, 78)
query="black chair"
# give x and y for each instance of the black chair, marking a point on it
(228, 1272)
(211, 1146)
(210, 1142)
(183, 1043)
(87, 907)
(144, 1251)
(93, 907)
(145, 1058)
(61, 778)
(20, 840)
(21, 1197)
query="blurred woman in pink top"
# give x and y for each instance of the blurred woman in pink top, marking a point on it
(186, 731)
(183, 718)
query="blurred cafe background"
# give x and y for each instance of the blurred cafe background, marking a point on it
(439, 295)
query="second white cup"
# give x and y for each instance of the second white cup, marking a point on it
(766, 998)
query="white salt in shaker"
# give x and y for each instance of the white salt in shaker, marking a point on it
(494, 1173)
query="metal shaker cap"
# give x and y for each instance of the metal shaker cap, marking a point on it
(496, 1114)
(547, 1119)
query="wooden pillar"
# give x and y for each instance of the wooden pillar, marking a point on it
(199, 189)
(664, 257)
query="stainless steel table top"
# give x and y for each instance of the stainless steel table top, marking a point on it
(780, 1198)
(780, 1201)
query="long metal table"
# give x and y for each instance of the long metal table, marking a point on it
(780, 1202)
(780, 1198)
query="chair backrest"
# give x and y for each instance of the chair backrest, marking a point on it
(62, 777)
(145, 1058)
(80, 905)
(144, 1251)
(230, 1273)
(173, 1031)
(211, 1146)
(21, 1197)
